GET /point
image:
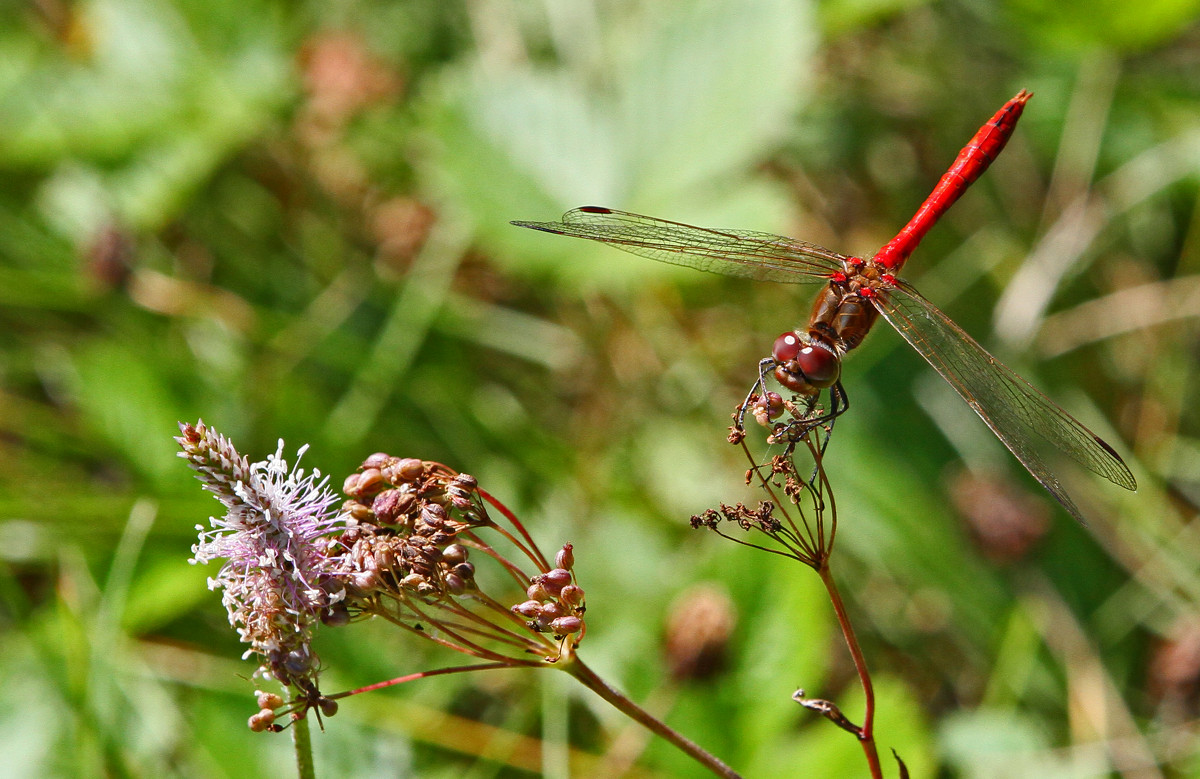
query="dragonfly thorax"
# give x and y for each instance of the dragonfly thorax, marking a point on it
(841, 315)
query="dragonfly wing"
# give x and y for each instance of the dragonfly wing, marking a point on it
(741, 253)
(1026, 421)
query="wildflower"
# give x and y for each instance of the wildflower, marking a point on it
(277, 579)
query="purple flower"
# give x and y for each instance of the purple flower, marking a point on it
(277, 578)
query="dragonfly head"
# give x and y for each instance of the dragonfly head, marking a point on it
(805, 365)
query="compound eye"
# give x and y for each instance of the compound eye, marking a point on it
(820, 366)
(787, 346)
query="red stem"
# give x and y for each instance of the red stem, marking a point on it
(866, 734)
(589, 679)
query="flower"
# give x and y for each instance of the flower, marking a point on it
(277, 579)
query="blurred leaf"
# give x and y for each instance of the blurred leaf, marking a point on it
(671, 119)
(1102, 24)
(152, 111)
(123, 398)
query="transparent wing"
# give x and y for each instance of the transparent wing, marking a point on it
(1025, 420)
(741, 253)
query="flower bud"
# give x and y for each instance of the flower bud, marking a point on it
(369, 481)
(377, 460)
(565, 557)
(329, 707)
(455, 554)
(555, 579)
(392, 504)
(267, 700)
(455, 584)
(572, 595)
(350, 485)
(529, 609)
(261, 721)
(410, 469)
(566, 625)
(537, 592)
(465, 570)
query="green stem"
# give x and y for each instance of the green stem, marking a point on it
(302, 744)
(589, 679)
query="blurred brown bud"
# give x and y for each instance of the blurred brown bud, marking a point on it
(329, 707)
(1004, 521)
(1173, 674)
(565, 557)
(699, 626)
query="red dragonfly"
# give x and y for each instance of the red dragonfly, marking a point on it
(856, 292)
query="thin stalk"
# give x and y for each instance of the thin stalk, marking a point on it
(866, 734)
(302, 746)
(589, 679)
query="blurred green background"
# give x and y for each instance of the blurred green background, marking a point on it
(291, 220)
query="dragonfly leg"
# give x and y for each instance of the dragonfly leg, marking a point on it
(757, 390)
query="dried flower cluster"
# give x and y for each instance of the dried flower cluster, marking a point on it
(412, 527)
(808, 536)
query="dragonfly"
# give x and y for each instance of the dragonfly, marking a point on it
(856, 292)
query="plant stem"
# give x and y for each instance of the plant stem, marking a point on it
(302, 745)
(866, 734)
(589, 679)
